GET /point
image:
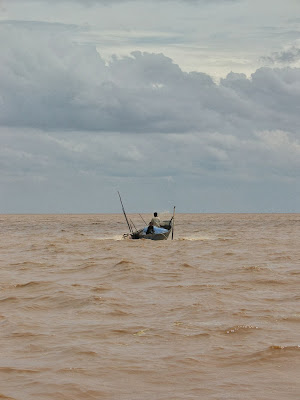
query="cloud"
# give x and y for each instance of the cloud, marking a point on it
(69, 119)
(285, 57)
(75, 158)
(110, 2)
(49, 82)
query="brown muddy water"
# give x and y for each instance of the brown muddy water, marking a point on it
(213, 314)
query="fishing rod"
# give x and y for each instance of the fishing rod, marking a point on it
(129, 226)
(143, 219)
(132, 224)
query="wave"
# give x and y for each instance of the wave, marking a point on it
(186, 265)
(113, 237)
(241, 329)
(124, 268)
(118, 313)
(276, 352)
(30, 284)
(28, 334)
(3, 397)
(19, 370)
(123, 262)
(88, 264)
(255, 268)
(28, 264)
(101, 289)
(72, 369)
(270, 354)
(11, 299)
(285, 348)
(281, 258)
(278, 282)
(292, 318)
(197, 238)
(87, 353)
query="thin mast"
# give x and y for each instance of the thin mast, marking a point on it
(173, 222)
(130, 229)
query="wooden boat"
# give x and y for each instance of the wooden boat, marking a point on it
(158, 233)
(161, 233)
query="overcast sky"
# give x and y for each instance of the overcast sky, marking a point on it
(193, 103)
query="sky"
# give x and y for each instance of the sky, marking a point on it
(193, 103)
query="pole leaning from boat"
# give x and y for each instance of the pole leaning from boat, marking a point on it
(143, 219)
(129, 226)
(132, 224)
(173, 222)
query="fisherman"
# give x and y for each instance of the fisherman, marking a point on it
(155, 220)
(150, 229)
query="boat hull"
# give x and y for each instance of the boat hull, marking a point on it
(140, 234)
(151, 236)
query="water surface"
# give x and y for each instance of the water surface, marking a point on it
(213, 314)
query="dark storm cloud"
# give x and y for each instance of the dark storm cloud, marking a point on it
(49, 82)
(285, 57)
(51, 87)
(74, 123)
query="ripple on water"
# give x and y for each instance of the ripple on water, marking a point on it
(194, 238)
(31, 284)
(274, 352)
(241, 329)
(4, 397)
(270, 354)
(126, 266)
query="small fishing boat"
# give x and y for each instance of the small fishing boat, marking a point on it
(154, 233)
(159, 233)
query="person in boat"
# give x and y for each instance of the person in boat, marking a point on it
(155, 220)
(150, 229)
